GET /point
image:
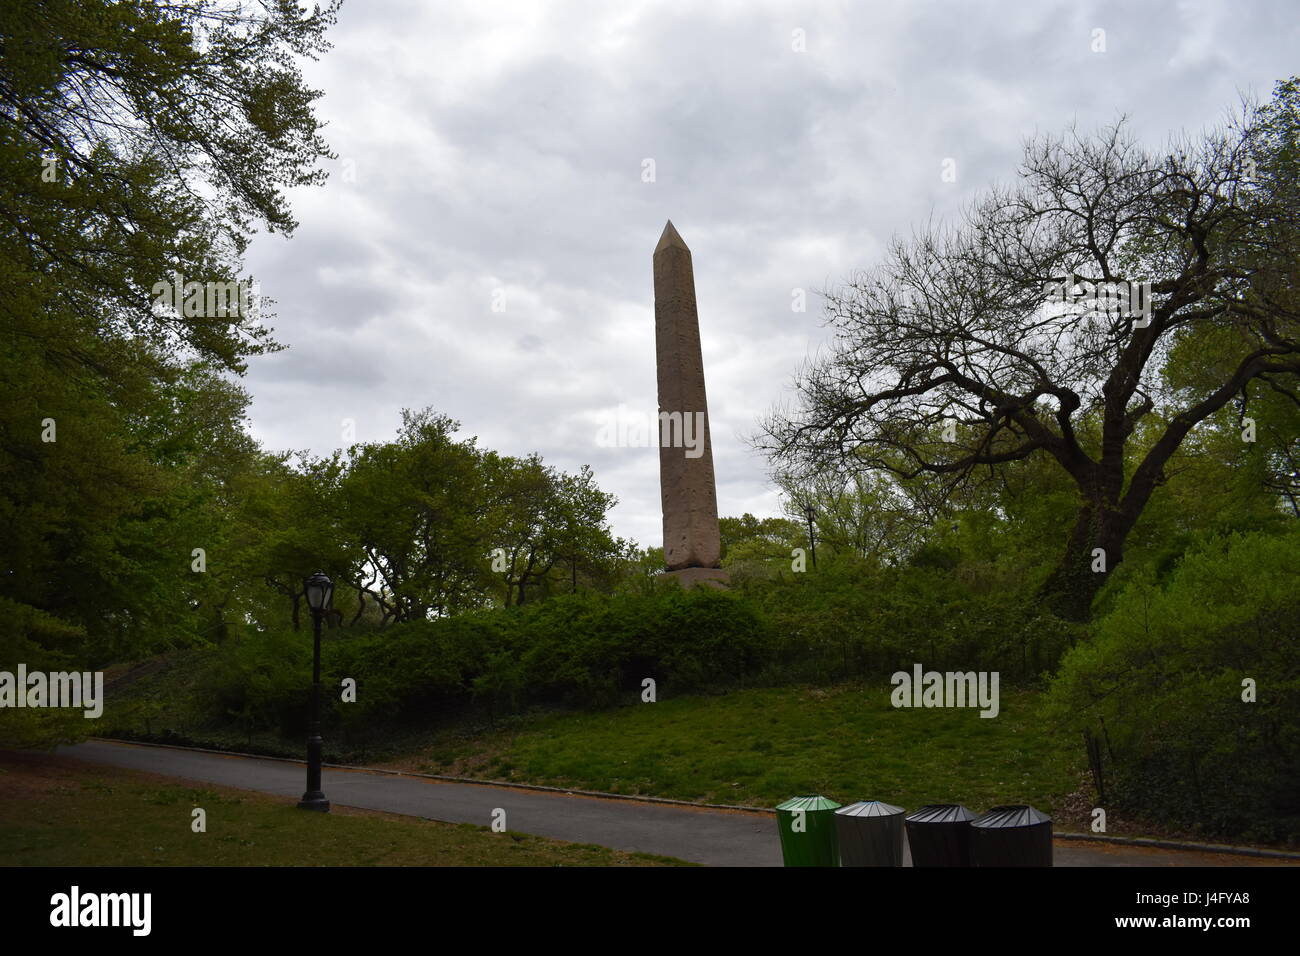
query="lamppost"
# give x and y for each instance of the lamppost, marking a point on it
(319, 589)
(811, 512)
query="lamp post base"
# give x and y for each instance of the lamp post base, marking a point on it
(314, 801)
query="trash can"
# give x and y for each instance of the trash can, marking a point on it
(939, 835)
(870, 834)
(1011, 836)
(807, 827)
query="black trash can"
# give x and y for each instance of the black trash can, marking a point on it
(939, 835)
(1011, 836)
(871, 834)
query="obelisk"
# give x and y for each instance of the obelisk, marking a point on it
(692, 544)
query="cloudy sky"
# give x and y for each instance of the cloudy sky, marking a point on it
(484, 243)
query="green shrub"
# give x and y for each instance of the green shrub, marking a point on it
(260, 680)
(1162, 683)
(588, 650)
(853, 620)
(583, 650)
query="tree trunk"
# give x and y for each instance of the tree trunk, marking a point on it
(1069, 590)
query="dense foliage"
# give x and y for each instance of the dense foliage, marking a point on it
(583, 650)
(140, 143)
(1193, 684)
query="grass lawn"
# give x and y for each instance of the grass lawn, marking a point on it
(759, 747)
(60, 812)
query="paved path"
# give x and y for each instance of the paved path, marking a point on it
(714, 837)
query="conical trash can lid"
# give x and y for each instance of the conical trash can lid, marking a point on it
(809, 803)
(869, 808)
(941, 813)
(1011, 816)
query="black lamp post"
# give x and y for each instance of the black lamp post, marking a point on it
(319, 589)
(811, 512)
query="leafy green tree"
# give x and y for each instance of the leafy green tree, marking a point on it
(759, 546)
(584, 540)
(414, 509)
(284, 524)
(863, 514)
(551, 528)
(140, 142)
(140, 146)
(523, 510)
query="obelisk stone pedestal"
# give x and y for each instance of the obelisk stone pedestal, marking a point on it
(699, 577)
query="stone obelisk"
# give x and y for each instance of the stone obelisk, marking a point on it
(692, 544)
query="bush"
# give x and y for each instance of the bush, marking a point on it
(581, 650)
(851, 619)
(588, 650)
(1162, 682)
(258, 681)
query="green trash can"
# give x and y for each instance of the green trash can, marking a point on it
(807, 828)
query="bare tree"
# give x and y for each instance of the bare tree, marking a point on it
(1042, 322)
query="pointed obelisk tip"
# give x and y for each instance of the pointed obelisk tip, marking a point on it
(670, 238)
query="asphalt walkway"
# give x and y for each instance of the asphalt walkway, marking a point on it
(713, 837)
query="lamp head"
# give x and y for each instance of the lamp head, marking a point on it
(319, 591)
